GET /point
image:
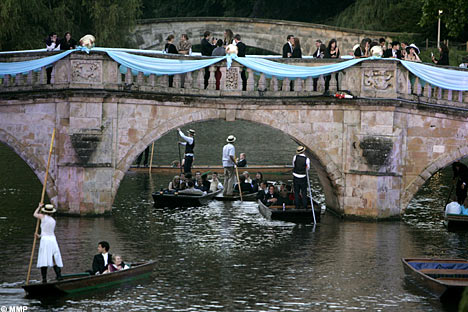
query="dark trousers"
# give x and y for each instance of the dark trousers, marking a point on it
(188, 163)
(207, 76)
(146, 152)
(300, 186)
(244, 79)
(327, 82)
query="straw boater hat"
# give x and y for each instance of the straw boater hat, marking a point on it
(412, 46)
(48, 209)
(376, 51)
(300, 150)
(191, 131)
(231, 139)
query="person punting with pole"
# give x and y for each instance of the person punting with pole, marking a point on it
(189, 147)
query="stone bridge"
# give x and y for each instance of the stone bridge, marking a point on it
(266, 34)
(372, 152)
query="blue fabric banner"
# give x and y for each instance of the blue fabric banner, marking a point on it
(14, 68)
(436, 76)
(160, 66)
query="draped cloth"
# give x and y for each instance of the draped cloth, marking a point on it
(436, 76)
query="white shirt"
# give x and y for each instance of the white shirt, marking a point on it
(307, 166)
(290, 46)
(228, 150)
(187, 139)
(215, 185)
(106, 257)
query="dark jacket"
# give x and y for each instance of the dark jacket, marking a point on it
(98, 263)
(286, 50)
(241, 49)
(297, 53)
(242, 163)
(245, 187)
(206, 47)
(170, 48)
(389, 53)
(67, 45)
(444, 59)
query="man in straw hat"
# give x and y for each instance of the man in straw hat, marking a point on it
(229, 163)
(301, 163)
(189, 146)
(49, 252)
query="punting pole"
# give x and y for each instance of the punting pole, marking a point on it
(238, 181)
(42, 202)
(310, 195)
(178, 146)
(151, 158)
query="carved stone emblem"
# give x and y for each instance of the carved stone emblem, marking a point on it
(378, 79)
(232, 78)
(86, 71)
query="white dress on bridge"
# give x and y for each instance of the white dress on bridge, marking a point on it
(48, 248)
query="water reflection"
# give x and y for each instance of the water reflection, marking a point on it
(226, 257)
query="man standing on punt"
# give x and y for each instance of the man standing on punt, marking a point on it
(301, 163)
(229, 162)
(189, 146)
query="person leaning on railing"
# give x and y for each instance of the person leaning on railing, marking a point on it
(444, 55)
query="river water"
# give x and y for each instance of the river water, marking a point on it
(225, 256)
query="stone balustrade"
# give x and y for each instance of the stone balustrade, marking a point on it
(369, 79)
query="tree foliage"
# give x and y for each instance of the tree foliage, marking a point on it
(454, 17)
(25, 24)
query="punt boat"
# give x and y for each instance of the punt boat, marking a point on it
(175, 200)
(289, 213)
(445, 278)
(81, 282)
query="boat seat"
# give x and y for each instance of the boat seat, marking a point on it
(445, 272)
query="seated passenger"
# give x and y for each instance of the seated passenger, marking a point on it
(242, 162)
(183, 182)
(117, 265)
(262, 192)
(256, 182)
(244, 186)
(215, 184)
(191, 190)
(283, 196)
(174, 185)
(205, 184)
(271, 197)
(247, 177)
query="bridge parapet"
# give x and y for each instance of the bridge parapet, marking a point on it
(373, 78)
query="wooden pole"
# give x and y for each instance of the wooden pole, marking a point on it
(151, 158)
(42, 202)
(178, 146)
(238, 182)
(310, 195)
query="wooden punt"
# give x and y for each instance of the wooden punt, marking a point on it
(82, 282)
(290, 213)
(175, 200)
(245, 197)
(445, 278)
(456, 222)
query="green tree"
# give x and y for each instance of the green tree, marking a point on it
(25, 24)
(454, 16)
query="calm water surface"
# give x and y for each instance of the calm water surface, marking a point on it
(225, 256)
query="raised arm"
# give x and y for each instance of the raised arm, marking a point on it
(187, 139)
(37, 212)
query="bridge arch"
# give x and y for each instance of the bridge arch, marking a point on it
(429, 171)
(35, 163)
(330, 177)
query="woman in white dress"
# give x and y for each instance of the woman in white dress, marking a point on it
(49, 252)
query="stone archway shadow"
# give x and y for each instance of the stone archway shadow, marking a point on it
(331, 178)
(438, 164)
(35, 163)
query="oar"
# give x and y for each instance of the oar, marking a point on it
(178, 146)
(238, 181)
(151, 159)
(310, 195)
(42, 202)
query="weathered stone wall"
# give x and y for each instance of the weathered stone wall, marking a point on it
(262, 33)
